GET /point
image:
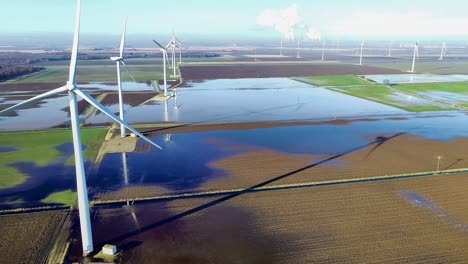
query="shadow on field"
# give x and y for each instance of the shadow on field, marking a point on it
(378, 141)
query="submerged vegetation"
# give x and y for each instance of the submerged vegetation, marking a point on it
(40, 147)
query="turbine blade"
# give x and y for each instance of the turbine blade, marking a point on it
(36, 99)
(125, 66)
(122, 41)
(76, 42)
(157, 43)
(106, 111)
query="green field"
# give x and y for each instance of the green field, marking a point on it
(40, 147)
(92, 73)
(67, 197)
(334, 80)
(143, 69)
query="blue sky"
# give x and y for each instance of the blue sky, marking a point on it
(331, 17)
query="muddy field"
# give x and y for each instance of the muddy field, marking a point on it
(421, 220)
(29, 237)
(274, 70)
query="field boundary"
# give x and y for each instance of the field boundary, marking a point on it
(280, 187)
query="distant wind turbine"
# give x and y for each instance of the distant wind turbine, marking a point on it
(281, 47)
(173, 45)
(73, 91)
(443, 51)
(298, 56)
(415, 55)
(164, 52)
(389, 50)
(118, 61)
(323, 50)
(360, 56)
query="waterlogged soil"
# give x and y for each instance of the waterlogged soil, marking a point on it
(352, 223)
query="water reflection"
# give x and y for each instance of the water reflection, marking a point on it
(416, 78)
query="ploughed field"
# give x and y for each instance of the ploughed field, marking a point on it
(29, 237)
(419, 220)
(265, 70)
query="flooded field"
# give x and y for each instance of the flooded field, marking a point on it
(341, 137)
(252, 100)
(416, 78)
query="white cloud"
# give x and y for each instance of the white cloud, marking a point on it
(285, 21)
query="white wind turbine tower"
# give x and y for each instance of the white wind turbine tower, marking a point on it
(389, 50)
(415, 55)
(360, 56)
(323, 50)
(164, 52)
(281, 47)
(173, 45)
(73, 91)
(118, 61)
(443, 51)
(298, 56)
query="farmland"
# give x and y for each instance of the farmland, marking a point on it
(29, 238)
(406, 220)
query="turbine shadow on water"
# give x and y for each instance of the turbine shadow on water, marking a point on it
(379, 141)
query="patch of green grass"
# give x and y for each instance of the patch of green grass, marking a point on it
(92, 73)
(10, 177)
(40, 147)
(67, 197)
(344, 80)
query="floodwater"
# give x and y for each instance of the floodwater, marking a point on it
(126, 86)
(252, 100)
(47, 114)
(184, 164)
(186, 155)
(454, 98)
(416, 78)
(52, 112)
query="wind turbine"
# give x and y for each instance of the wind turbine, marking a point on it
(164, 52)
(298, 56)
(389, 50)
(73, 91)
(173, 45)
(323, 50)
(118, 61)
(360, 56)
(443, 51)
(415, 55)
(281, 47)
